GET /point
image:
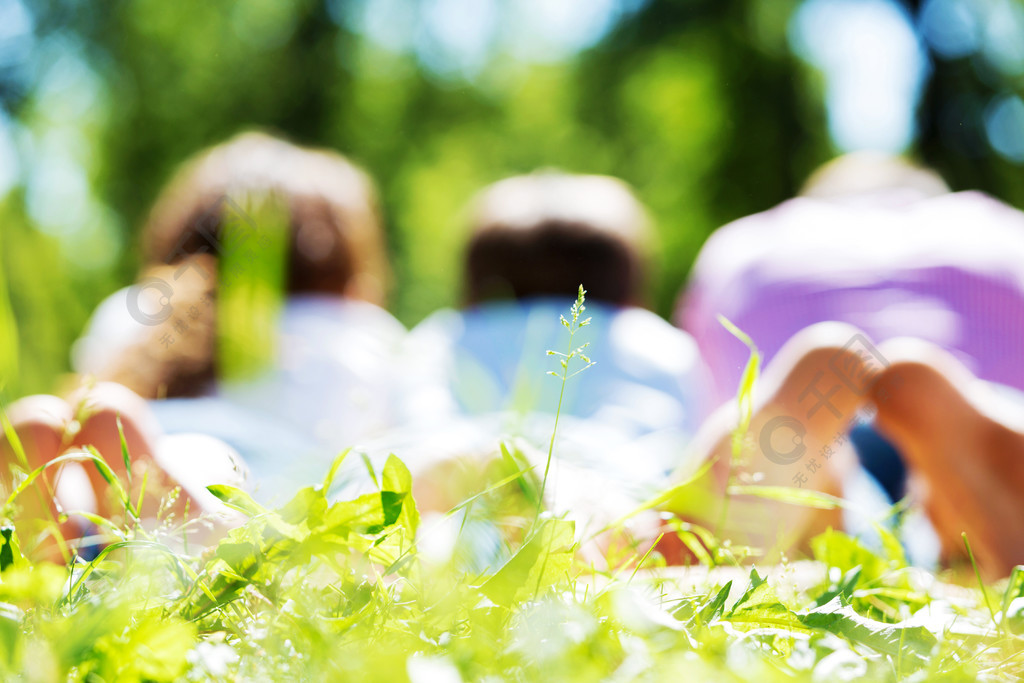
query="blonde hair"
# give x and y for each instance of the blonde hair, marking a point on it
(866, 173)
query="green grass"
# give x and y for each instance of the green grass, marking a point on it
(320, 589)
(326, 589)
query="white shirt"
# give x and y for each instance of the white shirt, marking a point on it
(483, 371)
(330, 387)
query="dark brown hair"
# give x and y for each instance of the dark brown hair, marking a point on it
(545, 234)
(336, 244)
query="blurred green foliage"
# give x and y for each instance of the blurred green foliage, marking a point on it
(344, 588)
(252, 277)
(699, 104)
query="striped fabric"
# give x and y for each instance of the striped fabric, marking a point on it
(949, 270)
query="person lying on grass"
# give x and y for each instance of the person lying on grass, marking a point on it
(881, 244)
(206, 335)
(483, 370)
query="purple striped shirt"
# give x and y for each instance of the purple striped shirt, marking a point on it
(949, 270)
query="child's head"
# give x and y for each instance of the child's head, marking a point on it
(546, 233)
(873, 177)
(335, 245)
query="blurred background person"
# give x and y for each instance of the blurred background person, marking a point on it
(484, 370)
(844, 250)
(258, 318)
(535, 239)
(879, 244)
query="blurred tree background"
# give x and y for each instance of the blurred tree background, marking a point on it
(712, 109)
